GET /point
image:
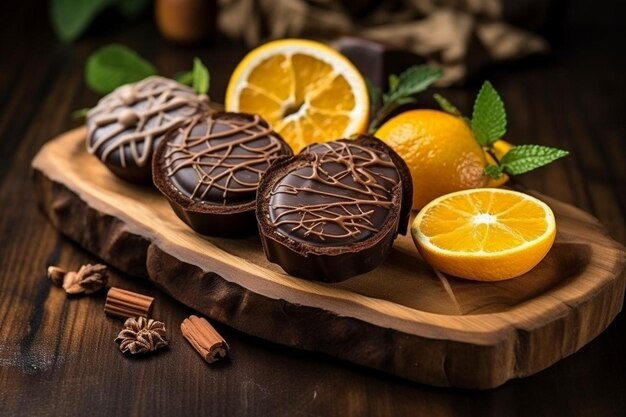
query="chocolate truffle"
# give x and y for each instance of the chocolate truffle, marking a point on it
(127, 125)
(210, 167)
(334, 210)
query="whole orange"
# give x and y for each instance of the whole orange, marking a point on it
(440, 150)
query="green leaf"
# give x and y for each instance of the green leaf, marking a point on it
(201, 77)
(415, 79)
(405, 100)
(374, 93)
(493, 171)
(80, 113)
(114, 65)
(70, 18)
(489, 116)
(393, 82)
(185, 77)
(446, 106)
(401, 89)
(132, 8)
(524, 158)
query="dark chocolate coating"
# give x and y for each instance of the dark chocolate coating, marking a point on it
(210, 167)
(127, 125)
(334, 210)
(318, 206)
(405, 174)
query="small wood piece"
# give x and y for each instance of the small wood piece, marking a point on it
(400, 318)
(126, 304)
(204, 338)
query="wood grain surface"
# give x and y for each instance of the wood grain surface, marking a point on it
(57, 355)
(400, 318)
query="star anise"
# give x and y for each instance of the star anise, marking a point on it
(89, 278)
(141, 335)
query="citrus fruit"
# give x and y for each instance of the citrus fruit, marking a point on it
(440, 150)
(307, 91)
(487, 234)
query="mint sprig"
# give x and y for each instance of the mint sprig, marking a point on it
(402, 89)
(524, 158)
(488, 123)
(114, 65)
(199, 77)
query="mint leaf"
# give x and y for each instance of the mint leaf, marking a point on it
(493, 171)
(524, 158)
(489, 116)
(415, 79)
(70, 18)
(132, 8)
(401, 89)
(80, 113)
(446, 106)
(198, 78)
(185, 77)
(374, 93)
(114, 65)
(201, 77)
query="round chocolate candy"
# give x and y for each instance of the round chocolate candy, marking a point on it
(334, 210)
(126, 125)
(210, 167)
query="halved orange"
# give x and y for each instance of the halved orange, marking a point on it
(484, 234)
(307, 91)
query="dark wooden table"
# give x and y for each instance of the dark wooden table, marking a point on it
(57, 355)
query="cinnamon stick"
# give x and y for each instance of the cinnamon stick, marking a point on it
(125, 304)
(204, 338)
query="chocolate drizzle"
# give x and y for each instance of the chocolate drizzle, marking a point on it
(343, 196)
(334, 210)
(210, 167)
(221, 158)
(127, 124)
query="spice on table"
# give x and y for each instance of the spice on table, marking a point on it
(88, 280)
(126, 304)
(56, 275)
(204, 338)
(141, 335)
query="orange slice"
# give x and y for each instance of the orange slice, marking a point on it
(484, 234)
(306, 90)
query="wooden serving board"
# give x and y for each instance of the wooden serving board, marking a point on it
(400, 318)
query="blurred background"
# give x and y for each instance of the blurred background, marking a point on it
(467, 38)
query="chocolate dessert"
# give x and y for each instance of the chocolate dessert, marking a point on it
(210, 167)
(127, 125)
(334, 210)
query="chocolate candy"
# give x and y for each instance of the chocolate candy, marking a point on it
(210, 167)
(334, 210)
(126, 125)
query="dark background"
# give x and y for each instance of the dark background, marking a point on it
(57, 356)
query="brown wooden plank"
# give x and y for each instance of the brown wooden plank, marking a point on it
(397, 318)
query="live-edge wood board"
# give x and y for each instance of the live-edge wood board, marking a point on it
(400, 318)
